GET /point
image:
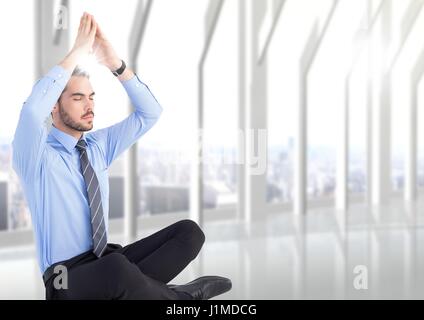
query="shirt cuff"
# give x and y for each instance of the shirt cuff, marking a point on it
(132, 85)
(59, 75)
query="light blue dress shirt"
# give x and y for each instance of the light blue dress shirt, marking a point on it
(48, 165)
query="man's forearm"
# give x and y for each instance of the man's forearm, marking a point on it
(116, 64)
(126, 75)
(83, 43)
(71, 60)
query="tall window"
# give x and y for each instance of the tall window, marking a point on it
(400, 96)
(168, 64)
(420, 140)
(220, 112)
(333, 87)
(283, 92)
(357, 179)
(16, 86)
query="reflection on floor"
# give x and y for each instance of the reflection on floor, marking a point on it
(365, 254)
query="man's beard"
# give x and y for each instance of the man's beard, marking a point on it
(67, 120)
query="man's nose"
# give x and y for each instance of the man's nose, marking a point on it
(88, 109)
(89, 104)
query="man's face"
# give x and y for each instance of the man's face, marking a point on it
(76, 105)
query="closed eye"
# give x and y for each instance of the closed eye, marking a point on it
(77, 96)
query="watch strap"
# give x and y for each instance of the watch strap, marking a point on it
(121, 69)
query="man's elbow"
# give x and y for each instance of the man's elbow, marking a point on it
(160, 110)
(152, 115)
(156, 116)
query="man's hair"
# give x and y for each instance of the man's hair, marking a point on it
(79, 72)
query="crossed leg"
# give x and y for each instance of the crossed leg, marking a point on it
(164, 254)
(139, 270)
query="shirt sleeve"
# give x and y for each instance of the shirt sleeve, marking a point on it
(119, 137)
(31, 133)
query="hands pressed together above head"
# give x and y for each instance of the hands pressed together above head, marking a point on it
(91, 39)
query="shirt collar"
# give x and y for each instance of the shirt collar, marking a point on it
(68, 141)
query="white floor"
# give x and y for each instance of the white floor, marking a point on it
(289, 258)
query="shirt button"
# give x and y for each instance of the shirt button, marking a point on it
(60, 76)
(44, 91)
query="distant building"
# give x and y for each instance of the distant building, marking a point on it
(161, 199)
(116, 197)
(3, 205)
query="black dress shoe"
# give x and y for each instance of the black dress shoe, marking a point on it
(204, 288)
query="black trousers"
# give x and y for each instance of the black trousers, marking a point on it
(140, 270)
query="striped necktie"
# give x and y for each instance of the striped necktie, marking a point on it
(95, 201)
